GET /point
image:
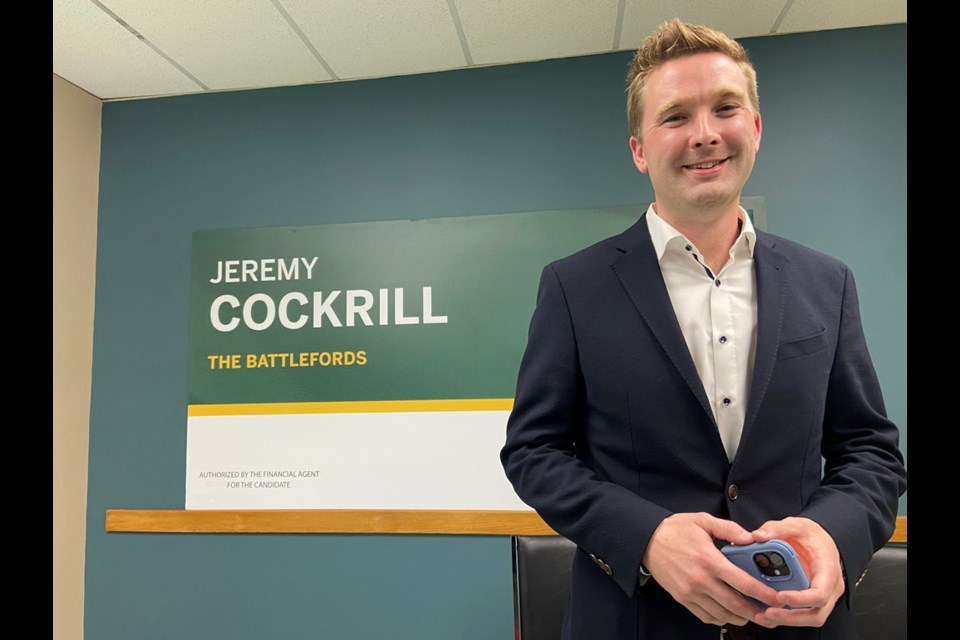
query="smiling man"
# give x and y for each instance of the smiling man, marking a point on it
(694, 381)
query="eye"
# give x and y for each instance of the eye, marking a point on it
(673, 118)
(728, 108)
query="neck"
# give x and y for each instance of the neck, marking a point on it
(713, 234)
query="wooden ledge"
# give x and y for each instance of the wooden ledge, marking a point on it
(900, 533)
(329, 521)
(464, 522)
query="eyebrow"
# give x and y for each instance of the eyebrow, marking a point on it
(721, 94)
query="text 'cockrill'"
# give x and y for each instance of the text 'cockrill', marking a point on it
(336, 308)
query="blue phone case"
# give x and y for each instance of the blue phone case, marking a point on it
(788, 577)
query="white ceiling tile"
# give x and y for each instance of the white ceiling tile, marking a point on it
(372, 38)
(499, 31)
(233, 44)
(736, 18)
(226, 44)
(815, 15)
(98, 55)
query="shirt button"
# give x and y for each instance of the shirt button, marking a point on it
(726, 402)
(733, 492)
(717, 282)
(723, 339)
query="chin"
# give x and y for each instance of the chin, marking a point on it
(714, 200)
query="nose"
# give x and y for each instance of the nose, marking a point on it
(704, 131)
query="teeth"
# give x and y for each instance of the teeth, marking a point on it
(706, 165)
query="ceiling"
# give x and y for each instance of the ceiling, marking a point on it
(122, 49)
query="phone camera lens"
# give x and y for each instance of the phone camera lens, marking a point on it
(771, 564)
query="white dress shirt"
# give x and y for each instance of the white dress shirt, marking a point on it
(717, 313)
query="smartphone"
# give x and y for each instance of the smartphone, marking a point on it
(773, 563)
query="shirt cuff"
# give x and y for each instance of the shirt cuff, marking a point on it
(642, 575)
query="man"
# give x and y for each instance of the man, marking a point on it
(683, 381)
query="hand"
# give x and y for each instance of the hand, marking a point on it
(682, 557)
(819, 556)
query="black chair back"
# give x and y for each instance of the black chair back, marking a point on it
(541, 587)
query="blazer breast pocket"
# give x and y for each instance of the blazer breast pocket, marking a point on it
(802, 346)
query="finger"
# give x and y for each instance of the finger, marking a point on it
(775, 617)
(731, 584)
(772, 529)
(725, 530)
(765, 532)
(738, 610)
(723, 611)
(825, 588)
(804, 612)
(764, 621)
(714, 597)
(809, 542)
(815, 597)
(808, 598)
(703, 615)
(745, 584)
(826, 585)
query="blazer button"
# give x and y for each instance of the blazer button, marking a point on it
(733, 492)
(607, 570)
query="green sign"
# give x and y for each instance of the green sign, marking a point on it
(374, 311)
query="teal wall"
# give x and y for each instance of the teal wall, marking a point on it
(540, 136)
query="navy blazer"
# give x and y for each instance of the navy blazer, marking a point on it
(611, 430)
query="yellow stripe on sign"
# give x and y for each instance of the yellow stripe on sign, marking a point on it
(373, 406)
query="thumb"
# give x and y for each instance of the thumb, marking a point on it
(726, 530)
(767, 531)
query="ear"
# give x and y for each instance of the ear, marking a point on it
(636, 150)
(758, 125)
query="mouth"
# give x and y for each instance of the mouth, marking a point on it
(705, 166)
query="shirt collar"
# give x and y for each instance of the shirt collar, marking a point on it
(663, 234)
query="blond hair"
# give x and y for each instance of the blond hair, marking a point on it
(675, 39)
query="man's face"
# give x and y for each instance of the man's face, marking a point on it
(700, 135)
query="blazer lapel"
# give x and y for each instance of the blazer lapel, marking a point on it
(639, 274)
(771, 269)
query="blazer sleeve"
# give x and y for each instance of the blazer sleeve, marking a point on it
(863, 473)
(606, 520)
